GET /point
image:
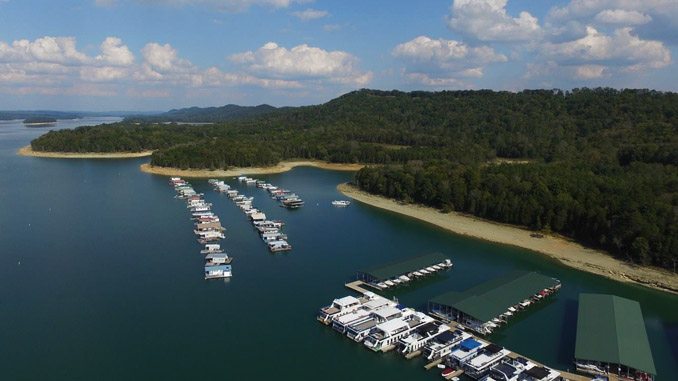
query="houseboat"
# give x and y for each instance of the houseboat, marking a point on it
(480, 364)
(216, 259)
(421, 336)
(442, 345)
(386, 335)
(339, 307)
(216, 272)
(359, 330)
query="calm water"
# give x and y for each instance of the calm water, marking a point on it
(100, 278)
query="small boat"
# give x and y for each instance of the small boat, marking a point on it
(341, 203)
(389, 283)
(447, 372)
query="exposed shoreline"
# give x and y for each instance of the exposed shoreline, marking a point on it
(28, 151)
(565, 251)
(281, 167)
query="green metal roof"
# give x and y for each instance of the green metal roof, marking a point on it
(488, 300)
(403, 267)
(611, 329)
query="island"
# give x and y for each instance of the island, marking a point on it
(39, 121)
(595, 166)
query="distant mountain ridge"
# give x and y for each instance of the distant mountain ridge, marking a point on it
(225, 113)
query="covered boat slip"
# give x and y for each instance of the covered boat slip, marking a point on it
(489, 300)
(395, 270)
(611, 337)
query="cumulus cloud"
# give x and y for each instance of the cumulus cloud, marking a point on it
(488, 20)
(310, 14)
(621, 16)
(54, 65)
(302, 62)
(440, 62)
(114, 52)
(622, 49)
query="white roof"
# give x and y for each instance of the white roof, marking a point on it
(391, 326)
(352, 316)
(346, 301)
(377, 303)
(387, 312)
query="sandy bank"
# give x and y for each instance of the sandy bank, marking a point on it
(567, 252)
(28, 151)
(283, 166)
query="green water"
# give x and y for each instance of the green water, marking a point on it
(100, 279)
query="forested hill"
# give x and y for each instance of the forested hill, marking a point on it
(10, 115)
(205, 115)
(602, 164)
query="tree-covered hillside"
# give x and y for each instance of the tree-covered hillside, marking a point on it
(205, 114)
(601, 163)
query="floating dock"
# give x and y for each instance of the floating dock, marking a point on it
(611, 338)
(404, 271)
(488, 305)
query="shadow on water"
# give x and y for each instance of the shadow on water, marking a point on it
(568, 332)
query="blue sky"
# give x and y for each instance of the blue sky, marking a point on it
(161, 54)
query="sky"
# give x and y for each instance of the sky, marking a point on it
(143, 55)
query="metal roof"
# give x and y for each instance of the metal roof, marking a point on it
(488, 300)
(611, 329)
(394, 269)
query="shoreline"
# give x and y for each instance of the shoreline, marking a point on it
(565, 251)
(281, 167)
(28, 151)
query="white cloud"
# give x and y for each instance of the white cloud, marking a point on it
(621, 49)
(436, 62)
(46, 49)
(488, 20)
(310, 14)
(102, 74)
(620, 16)
(302, 62)
(53, 66)
(589, 71)
(226, 5)
(114, 52)
(164, 58)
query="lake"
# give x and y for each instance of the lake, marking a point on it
(101, 278)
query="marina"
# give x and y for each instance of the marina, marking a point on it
(270, 231)
(207, 228)
(162, 332)
(446, 336)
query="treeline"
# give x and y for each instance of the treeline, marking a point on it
(602, 162)
(630, 213)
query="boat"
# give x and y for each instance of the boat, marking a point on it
(341, 203)
(486, 358)
(418, 338)
(339, 307)
(211, 248)
(386, 335)
(292, 203)
(359, 330)
(216, 259)
(443, 344)
(280, 245)
(216, 272)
